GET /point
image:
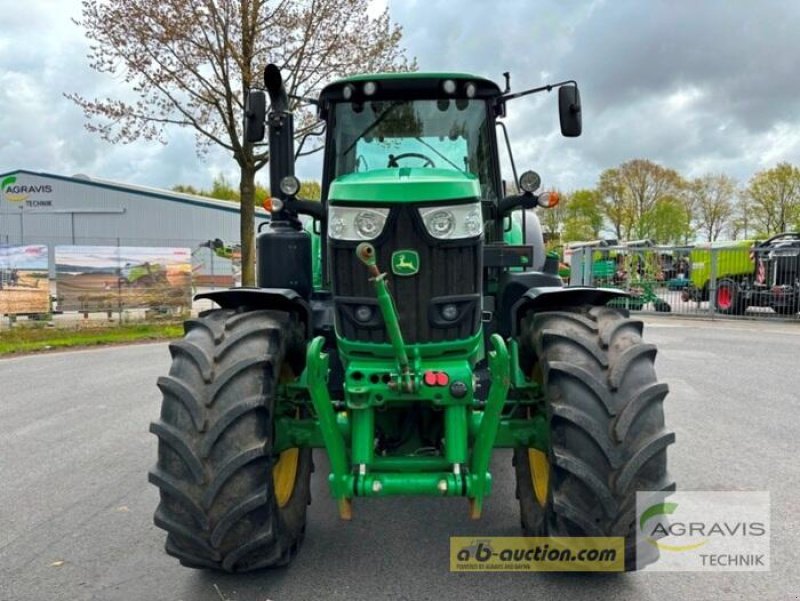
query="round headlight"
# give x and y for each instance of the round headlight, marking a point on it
(363, 313)
(290, 185)
(337, 226)
(530, 181)
(441, 223)
(347, 92)
(370, 88)
(450, 312)
(368, 224)
(470, 89)
(473, 223)
(449, 86)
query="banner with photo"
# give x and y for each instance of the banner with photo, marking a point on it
(24, 285)
(112, 278)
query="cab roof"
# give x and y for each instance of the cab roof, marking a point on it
(409, 75)
(409, 84)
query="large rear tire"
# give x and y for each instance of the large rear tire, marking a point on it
(227, 501)
(607, 434)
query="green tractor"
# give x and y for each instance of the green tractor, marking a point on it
(440, 332)
(143, 275)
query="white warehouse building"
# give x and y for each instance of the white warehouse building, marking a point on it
(56, 210)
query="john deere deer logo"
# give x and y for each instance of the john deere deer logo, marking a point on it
(405, 262)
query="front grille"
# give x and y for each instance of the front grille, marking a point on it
(449, 272)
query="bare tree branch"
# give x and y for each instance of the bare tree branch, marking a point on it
(190, 63)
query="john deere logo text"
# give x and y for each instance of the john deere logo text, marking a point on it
(14, 192)
(405, 262)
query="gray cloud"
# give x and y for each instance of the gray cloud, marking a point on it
(698, 86)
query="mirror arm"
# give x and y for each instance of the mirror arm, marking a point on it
(509, 203)
(547, 88)
(305, 99)
(311, 208)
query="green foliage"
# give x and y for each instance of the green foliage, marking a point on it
(222, 189)
(182, 189)
(633, 196)
(713, 198)
(583, 217)
(774, 198)
(667, 222)
(310, 190)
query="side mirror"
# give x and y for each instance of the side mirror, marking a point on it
(255, 113)
(569, 111)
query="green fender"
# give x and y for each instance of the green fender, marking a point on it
(551, 298)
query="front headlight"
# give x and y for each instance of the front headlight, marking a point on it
(453, 221)
(354, 223)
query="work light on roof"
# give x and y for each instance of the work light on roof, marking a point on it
(370, 88)
(470, 89)
(449, 86)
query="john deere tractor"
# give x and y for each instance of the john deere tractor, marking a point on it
(437, 331)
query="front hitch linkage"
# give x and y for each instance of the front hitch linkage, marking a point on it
(366, 254)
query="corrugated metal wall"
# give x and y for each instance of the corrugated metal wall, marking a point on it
(40, 208)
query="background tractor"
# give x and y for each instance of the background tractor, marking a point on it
(439, 331)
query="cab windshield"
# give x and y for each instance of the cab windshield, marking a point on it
(445, 134)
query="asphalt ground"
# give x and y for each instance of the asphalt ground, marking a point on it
(76, 508)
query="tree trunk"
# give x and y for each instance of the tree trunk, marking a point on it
(247, 192)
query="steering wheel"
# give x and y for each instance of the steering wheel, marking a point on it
(393, 158)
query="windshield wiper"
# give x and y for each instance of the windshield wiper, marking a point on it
(434, 149)
(373, 125)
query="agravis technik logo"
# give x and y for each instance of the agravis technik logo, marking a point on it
(705, 530)
(661, 527)
(14, 192)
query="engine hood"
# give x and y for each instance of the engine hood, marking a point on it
(404, 184)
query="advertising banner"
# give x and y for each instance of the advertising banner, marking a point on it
(24, 287)
(112, 278)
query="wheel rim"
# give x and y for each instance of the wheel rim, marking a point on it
(724, 298)
(284, 475)
(284, 472)
(540, 474)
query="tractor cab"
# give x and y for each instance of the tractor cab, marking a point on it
(438, 122)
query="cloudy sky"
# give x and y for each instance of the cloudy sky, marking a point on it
(697, 85)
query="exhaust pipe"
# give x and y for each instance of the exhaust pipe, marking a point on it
(280, 123)
(273, 81)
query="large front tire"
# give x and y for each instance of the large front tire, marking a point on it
(227, 501)
(607, 434)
